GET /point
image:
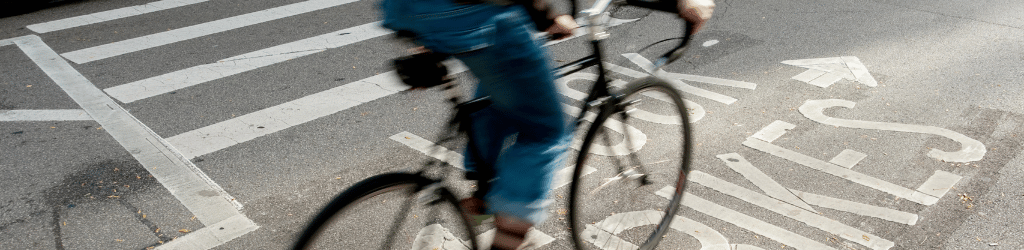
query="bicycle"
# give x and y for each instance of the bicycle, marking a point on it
(599, 208)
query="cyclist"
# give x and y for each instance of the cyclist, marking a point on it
(523, 134)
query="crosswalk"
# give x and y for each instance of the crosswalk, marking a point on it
(247, 127)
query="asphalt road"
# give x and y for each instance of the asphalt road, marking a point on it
(229, 123)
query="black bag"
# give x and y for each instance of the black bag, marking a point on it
(422, 70)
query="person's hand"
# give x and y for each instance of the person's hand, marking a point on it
(696, 12)
(562, 27)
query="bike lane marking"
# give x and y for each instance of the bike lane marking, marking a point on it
(971, 149)
(824, 72)
(766, 184)
(196, 191)
(181, 34)
(811, 219)
(744, 221)
(109, 15)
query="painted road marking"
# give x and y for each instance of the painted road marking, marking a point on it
(696, 112)
(602, 234)
(943, 182)
(857, 208)
(824, 72)
(682, 86)
(768, 185)
(173, 81)
(773, 131)
(842, 172)
(436, 236)
(250, 126)
(431, 240)
(253, 125)
(648, 66)
(166, 83)
(196, 191)
(939, 183)
(198, 30)
(535, 239)
(744, 221)
(848, 158)
(213, 235)
(109, 15)
(765, 183)
(429, 148)
(793, 212)
(637, 138)
(44, 115)
(562, 177)
(971, 149)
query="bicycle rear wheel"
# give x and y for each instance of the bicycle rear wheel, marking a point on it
(391, 211)
(631, 171)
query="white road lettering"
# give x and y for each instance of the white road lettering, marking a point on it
(811, 219)
(648, 66)
(606, 229)
(848, 158)
(765, 183)
(682, 86)
(943, 182)
(624, 147)
(563, 87)
(857, 208)
(535, 239)
(695, 110)
(842, 172)
(744, 221)
(436, 236)
(939, 183)
(768, 185)
(971, 149)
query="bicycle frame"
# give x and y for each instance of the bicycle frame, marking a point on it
(599, 95)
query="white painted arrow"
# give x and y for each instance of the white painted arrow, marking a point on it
(824, 72)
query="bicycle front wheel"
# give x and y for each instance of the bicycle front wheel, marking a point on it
(391, 211)
(631, 169)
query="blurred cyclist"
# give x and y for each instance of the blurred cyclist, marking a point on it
(523, 134)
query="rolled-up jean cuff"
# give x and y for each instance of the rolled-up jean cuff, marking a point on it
(534, 212)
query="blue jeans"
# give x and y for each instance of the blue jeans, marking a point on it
(524, 134)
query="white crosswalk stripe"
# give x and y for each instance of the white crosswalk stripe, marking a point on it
(109, 15)
(199, 30)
